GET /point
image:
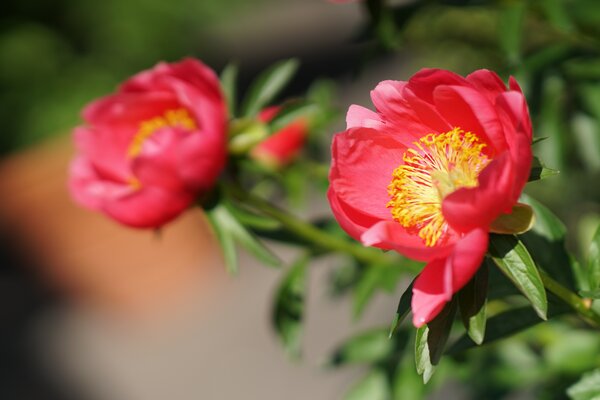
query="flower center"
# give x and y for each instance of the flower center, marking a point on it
(437, 166)
(179, 117)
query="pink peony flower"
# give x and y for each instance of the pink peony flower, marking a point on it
(428, 172)
(283, 146)
(149, 150)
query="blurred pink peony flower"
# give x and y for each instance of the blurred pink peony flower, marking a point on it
(429, 172)
(149, 150)
(280, 149)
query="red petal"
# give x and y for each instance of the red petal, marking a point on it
(427, 114)
(363, 161)
(468, 109)
(351, 220)
(443, 277)
(149, 207)
(390, 235)
(487, 83)
(424, 82)
(469, 208)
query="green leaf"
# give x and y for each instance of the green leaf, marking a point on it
(587, 388)
(472, 304)
(288, 311)
(374, 386)
(403, 308)
(590, 294)
(546, 244)
(367, 347)
(431, 340)
(540, 171)
(250, 242)
(422, 360)
(547, 224)
(503, 325)
(593, 265)
(439, 331)
(225, 238)
(293, 112)
(228, 228)
(228, 85)
(513, 259)
(538, 139)
(268, 85)
(252, 220)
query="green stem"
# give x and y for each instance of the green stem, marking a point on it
(314, 235)
(580, 305)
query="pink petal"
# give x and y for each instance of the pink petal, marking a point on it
(443, 277)
(359, 116)
(201, 160)
(128, 109)
(88, 189)
(149, 207)
(157, 163)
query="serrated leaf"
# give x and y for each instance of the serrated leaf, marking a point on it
(374, 386)
(228, 85)
(225, 238)
(367, 347)
(422, 359)
(587, 388)
(540, 171)
(513, 259)
(472, 304)
(288, 311)
(593, 264)
(403, 308)
(268, 85)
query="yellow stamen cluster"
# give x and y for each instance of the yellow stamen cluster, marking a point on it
(179, 117)
(438, 165)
